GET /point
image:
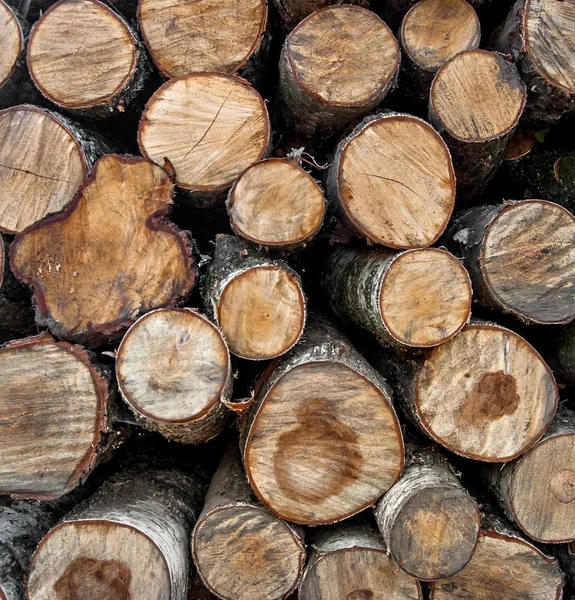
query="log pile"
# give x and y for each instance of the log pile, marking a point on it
(287, 299)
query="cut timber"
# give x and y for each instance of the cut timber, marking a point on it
(257, 302)
(241, 550)
(537, 490)
(173, 370)
(521, 258)
(349, 562)
(538, 34)
(322, 441)
(129, 541)
(416, 298)
(476, 100)
(291, 12)
(83, 56)
(44, 158)
(505, 566)
(275, 202)
(210, 126)
(485, 394)
(393, 182)
(336, 66)
(206, 35)
(53, 416)
(109, 257)
(429, 523)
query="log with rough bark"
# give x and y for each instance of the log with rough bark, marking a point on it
(521, 258)
(276, 203)
(416, 298)
(560, 353)
(349, 562)
(85, 58)
(322, 440)
(429, 523)
(257, 302)
(241, 550)
(211, 127)
(44, 158)
(392, 181)
(55, 404)
(486, 394)
(505, 566)
(110, 256)
(475, 101)
(130, 540)
(565, 554)
(173, 370)
(538, 34)
(537, 490)
(290, 12)
(336, 65)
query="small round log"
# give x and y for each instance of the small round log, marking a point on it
(486, 394)
(322, 441)
(429, 523)
(476, 100)
(521, 258)
(392, 181)
(416, 298)
(290, 12)
(276, 203)
(54, 403)
(336, 66)
(258, 303)
(210, 126)
(95, 270)
(173, 370)
(241, 550)
(349, 562)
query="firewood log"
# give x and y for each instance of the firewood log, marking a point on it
(276, 203)
(257, 302)
(349, 562)
(429, 523)
(173, 370)
(476, 100)
(336, 65)
(486, 394)
(392, 181)
(538, 35)
(240, 549)
(130, 540)
(521, 258)
(55, 404)
(416, 298)
(290, 12)
(321, 441)
(223, 126)
(109, 257)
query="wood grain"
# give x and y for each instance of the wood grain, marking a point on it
(12, 41)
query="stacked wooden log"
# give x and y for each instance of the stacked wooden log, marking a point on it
(287, 299)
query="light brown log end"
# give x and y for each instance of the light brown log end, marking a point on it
(12, 41)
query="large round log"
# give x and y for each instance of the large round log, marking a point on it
(173, 370)
(241, 550)
(392, 181)
(416, 298)
(99, 265)
(521, 258)
(476, 100)
(322, 441)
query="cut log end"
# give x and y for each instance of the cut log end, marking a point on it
(33, 181)
(244, 552)
(392, 191)
(62, 60)
(454, 28)
(520, 144)
(210, 35)
(477, 96)
(276, 203)
(12, 41)
(210, 126)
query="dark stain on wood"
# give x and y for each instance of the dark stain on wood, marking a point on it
(359, 595)
(92, 579)
(562, 486)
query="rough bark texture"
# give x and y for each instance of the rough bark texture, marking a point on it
(429, 523)
(566, 556)
(240, 549)
(560, 354)
(290, 12)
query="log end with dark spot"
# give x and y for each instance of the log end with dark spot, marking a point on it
(92, 579)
